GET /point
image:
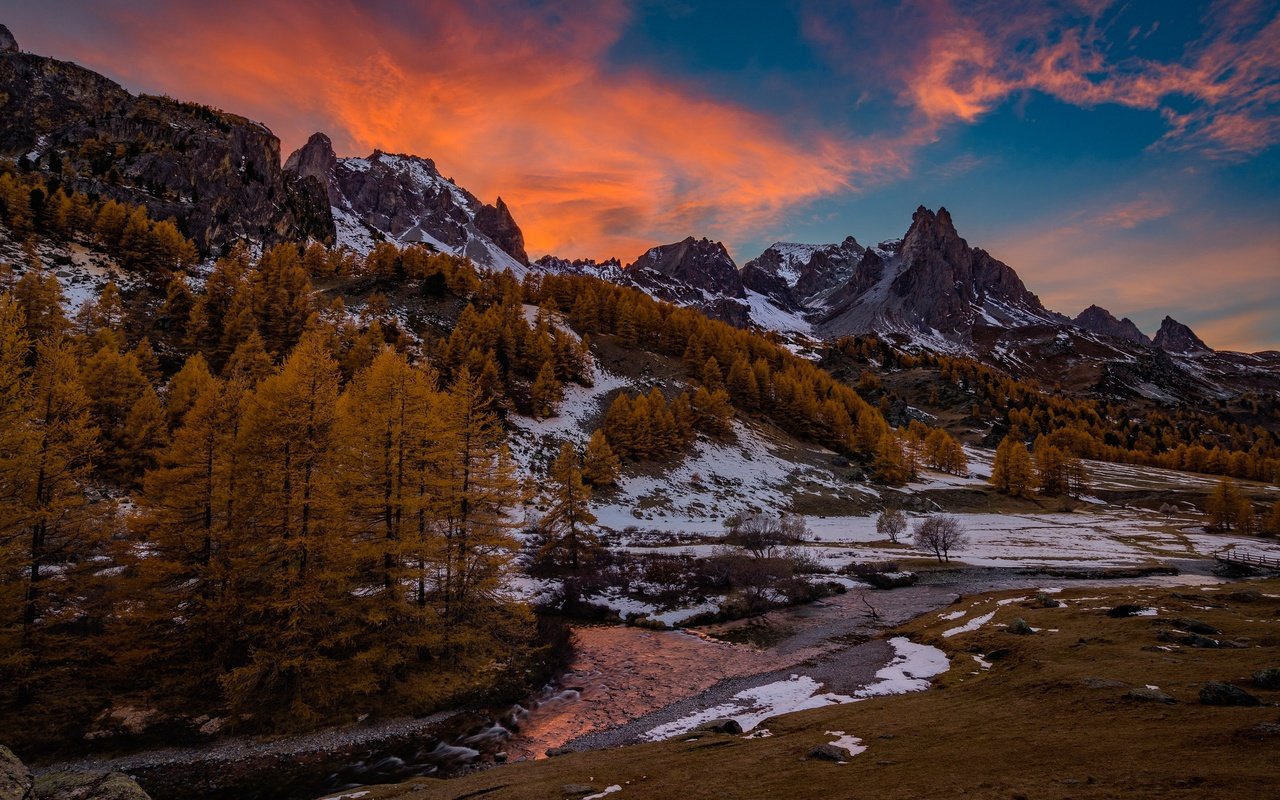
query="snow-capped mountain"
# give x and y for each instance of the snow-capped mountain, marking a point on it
(794, 275)
(405, 199)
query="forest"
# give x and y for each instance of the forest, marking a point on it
(273, 487)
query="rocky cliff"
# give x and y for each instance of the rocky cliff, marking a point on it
(406, 199)
(217, 174)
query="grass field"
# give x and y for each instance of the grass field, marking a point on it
(1048, 718)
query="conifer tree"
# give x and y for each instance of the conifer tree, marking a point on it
(546, 392)
(890, 463)
(200, 553)
(570, 540)
(250, 362)
(1223, 505)
(478, 488)
(47, 522)
(599, 464)
(303, 633)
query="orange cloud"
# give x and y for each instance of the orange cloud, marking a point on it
(968, 57)
(509, 101)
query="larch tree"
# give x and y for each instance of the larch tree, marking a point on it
(599, 464)
(302, 633)
(47, 530)
(569, 538)
(477, 491)
(198, 548)
(389, 445)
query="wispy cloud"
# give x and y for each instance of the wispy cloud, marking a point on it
(1220, 97)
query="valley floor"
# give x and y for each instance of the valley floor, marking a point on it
(1075, 709)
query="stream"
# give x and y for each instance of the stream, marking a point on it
(621, 682)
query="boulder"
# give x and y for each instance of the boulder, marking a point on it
(1224, 694)
(88, 786)
(1020, 627)
(1267, 678)
(828, 752)
(8, 44)
(15, 778)
(726, 725)
(1145, 695)
(1195, 626)
(1102, 683)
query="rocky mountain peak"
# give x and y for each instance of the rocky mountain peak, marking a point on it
(315, 159)
(497, 223)
(693, 272)
(933, 232)
(1099, 320)
(1174, 337)
(8, 44)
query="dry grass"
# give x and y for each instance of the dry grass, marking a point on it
(1028, 727)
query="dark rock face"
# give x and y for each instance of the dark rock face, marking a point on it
(497, 223)
(405, 198)
(698, 263)
(8, 44)
(791, 275)
(695, 272)
(1174, 337)
(1099, 320)
(217, 174)
(315, 159)
(932, 282)
(15, 778)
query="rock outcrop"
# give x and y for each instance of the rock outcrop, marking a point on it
(1099, 320)
(8, 44)
(15, 778)
(1174, 337)
(933, 283)
(698, 273)
(405, 199)
(17, 783)
(217, 174)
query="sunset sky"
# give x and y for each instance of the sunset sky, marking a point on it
(1120, 153)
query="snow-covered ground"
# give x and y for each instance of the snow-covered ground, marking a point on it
(719, 478)
(909, 671)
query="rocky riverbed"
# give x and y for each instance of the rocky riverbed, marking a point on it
(623, 682)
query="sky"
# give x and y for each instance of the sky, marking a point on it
(1121, 153)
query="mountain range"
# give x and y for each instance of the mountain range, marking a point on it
(221, 177)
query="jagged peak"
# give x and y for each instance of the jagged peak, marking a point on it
(1175, 337)
(8, 44)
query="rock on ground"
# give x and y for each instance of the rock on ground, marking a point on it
(15, 778)
(1224, 694)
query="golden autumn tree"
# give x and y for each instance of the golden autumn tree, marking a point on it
(476, 492)
(389, 443)
(47, 527)
(1012, 471)
(599, 464)
(301, 634)
(569, 538)
(199, 552)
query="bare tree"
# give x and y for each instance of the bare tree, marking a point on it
(941, 534)
(762, 534)
(892, 523)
